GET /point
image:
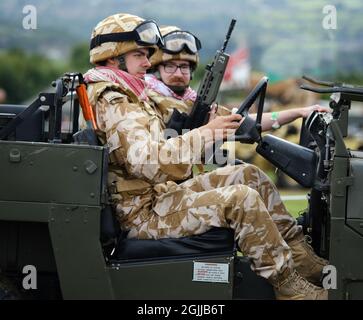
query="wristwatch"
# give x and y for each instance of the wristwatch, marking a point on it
(274, 117)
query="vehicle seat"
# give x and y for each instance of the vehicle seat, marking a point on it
(213, 242)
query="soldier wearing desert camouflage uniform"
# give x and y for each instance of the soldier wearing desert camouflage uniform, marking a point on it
(168, 87)
(171, 71)
(145, 168)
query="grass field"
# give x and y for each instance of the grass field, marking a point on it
(294, 206)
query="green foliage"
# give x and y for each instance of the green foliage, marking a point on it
(79, 57)
(198, 75)
(355, 79)
(23, 76)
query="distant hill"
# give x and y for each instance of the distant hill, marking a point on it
(285, 37)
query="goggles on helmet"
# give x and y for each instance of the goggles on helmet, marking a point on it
(146, 33)
(177, 41)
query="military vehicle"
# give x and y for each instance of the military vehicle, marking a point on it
(55, 219)
(59, 240)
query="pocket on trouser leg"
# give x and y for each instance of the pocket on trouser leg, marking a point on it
(192, 221)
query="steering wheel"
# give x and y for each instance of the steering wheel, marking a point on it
(250, 129)
(306, 140)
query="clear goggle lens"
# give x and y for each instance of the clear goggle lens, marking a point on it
(177, 41)
(149, 33)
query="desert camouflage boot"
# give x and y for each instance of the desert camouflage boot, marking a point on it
(306, 262)
(292, 286)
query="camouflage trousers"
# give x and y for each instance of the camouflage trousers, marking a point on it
(238, 197)
(250, 175)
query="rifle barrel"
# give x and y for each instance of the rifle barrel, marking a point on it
(231, 27)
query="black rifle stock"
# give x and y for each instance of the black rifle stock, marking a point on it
(207, 91)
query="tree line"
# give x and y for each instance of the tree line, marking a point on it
(23, 75)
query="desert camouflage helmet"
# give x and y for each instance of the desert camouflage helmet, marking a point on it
(161, 55)
(122, 33)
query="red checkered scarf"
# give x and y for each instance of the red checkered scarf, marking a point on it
(158, 86)
(126, 80)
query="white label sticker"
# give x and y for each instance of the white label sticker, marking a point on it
(211, 272)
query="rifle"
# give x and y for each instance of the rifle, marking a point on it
(207, 91)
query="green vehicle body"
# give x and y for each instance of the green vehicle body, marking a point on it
(53, 196)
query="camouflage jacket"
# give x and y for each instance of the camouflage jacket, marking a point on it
(166, 105)
(133, 130)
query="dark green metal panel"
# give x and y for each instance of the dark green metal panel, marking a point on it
(343, 121)
(8, 245)
(168, 279)
(346, 254)
(346, 241)
(339, 188)
(356, 225)
(24, 211)
(355, 195)
(43, 172)
(79, 258)
(34, 247)
(354, 290)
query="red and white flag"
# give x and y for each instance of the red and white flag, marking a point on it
(238, 70)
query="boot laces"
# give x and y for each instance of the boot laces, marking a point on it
(303, 283)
